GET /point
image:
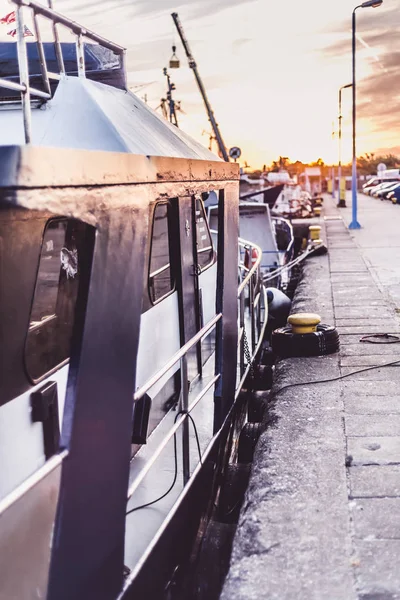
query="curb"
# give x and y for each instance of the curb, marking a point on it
(293, 538)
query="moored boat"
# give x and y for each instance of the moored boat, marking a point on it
(127, 333)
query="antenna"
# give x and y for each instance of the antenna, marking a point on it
(169, 101)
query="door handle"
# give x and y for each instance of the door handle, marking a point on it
(196, 270)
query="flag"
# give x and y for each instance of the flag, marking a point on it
(27, 32)
(8, 19)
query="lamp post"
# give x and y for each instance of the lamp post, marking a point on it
(369, 4)
(341, 202)
(333, 166)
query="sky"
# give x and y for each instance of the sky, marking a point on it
(272, 70)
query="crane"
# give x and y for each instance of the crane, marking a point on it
(192, 64)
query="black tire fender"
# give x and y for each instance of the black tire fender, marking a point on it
(285, 343)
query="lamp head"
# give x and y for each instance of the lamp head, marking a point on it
(371, 3)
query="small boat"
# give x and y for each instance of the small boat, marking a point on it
(274, 235)
(293, 202)
(128, 330)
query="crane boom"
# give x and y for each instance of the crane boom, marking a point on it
(193, 66)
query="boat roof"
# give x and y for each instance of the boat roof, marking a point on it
(85, 114)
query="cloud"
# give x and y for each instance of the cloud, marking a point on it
(379, 28)
(193, 8)
(367, 20)
(385, 38)
(388, 150)
(239, 43)
(377, 94)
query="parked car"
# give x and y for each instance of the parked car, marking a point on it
(394, 195)
(375, 188)
(367, 189)
(370, 183)
(375, 184)
(384, 191)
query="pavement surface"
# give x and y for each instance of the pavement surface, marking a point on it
(321, 517)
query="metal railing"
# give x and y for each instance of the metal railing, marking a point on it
(185, 408)
(81, 33)
(251, 291)
(249, 287)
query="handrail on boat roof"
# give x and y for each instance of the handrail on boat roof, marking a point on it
(75, 27)
(56, 18)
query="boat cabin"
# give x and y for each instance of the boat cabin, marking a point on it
(127, 332)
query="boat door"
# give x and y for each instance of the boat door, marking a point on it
(195, 251)
(187, 283)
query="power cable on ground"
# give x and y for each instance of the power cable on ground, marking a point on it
(380, 338)
(339, 378)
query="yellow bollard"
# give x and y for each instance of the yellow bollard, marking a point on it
(304, 322)
(342, 192)
(317, 211)
(315, 232)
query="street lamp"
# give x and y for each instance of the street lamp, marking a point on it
(369, 4)
(341, 203)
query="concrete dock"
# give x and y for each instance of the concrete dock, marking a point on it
(321, 517)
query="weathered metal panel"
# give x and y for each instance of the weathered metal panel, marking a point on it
(27, 166)
(226, 302)
(21, 235)
(88, 550)
(21, 440)
(26, 527)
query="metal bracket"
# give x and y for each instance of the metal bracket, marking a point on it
(44, 403)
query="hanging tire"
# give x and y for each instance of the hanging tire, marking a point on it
(267, 357)
(232, 492)
(263, 378)
(248, 441)
(257, 406)
(286, 344)
(212, 562)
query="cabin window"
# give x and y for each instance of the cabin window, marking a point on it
(56, 291)
(204, 245)
(160, 278)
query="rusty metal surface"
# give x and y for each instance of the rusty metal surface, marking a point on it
(27, 166)
(26, 526)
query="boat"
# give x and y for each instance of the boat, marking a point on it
(293, 202)
(129, 331)
(273, 235)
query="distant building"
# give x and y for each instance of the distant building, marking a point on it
(278, 178)
(311, 180)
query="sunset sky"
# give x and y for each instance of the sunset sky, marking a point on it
(272, 70)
